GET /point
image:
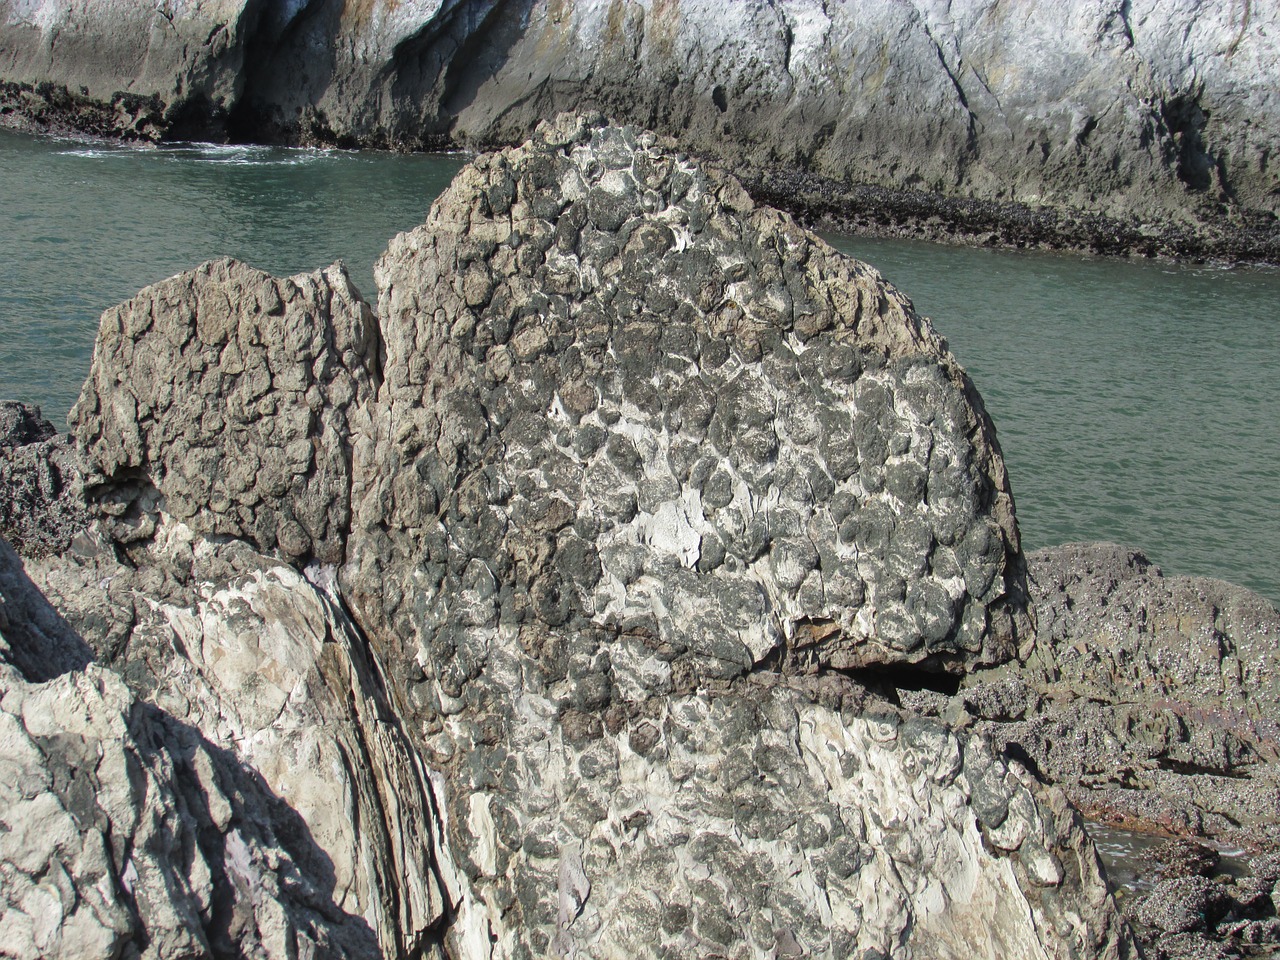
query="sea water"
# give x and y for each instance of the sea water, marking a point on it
(1137, 402)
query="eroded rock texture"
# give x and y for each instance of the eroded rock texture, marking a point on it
(1155, 696)
(41, 476)
(1153, 701)
(652, 479)
(223, 397)
(625, 404)
(206, 819)
(638, 441)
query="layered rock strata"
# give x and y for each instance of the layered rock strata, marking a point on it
(223, 783)
(1164, 112)
(627, 485)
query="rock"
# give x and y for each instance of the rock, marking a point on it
(1151, 700)
(1164, 114)
(599, 359)
(222, 397)
(21, 423)
(1187, 858)
(641, 478)
(784, 462)
(130, 833)
(756, 818)
(1181, 905)
(41, 474)
(127, 67)
(1165, 687)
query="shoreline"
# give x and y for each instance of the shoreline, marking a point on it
(1242, 237)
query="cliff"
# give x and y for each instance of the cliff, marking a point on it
(1120, 126)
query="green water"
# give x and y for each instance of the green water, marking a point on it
(85, 225)
(1135, 402)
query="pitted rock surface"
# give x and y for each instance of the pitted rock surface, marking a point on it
(223, 397)
(647, 463)
(623, 403)
(41, 476)
(651, 470)
(1164, 691)
(755, 823)
(22, 423)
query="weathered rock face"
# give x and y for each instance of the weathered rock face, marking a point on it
(1152, 701)
(651, 472)
(753, 822)
(1149, 110)
(41, 475)
(153, 68)
(638, 440)
(223, 397)
(264, 665)
(624, 404)
(1157, 691)
(194, 823)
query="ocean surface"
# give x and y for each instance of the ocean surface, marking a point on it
(1137, 402)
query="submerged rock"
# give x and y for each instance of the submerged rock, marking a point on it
(598, 534)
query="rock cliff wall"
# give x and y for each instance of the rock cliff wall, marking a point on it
(1163, 110)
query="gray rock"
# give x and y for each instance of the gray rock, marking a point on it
(131, 833)
(42, 509)
(524, 718)
(640, 754)
(21, 423)
(469, 468)
(223, 397)
(1161, 684)
(42, 475)
(1181, 905)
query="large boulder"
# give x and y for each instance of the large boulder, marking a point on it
(623, 403)
(650, 467)
(223, 397)
(647, 488)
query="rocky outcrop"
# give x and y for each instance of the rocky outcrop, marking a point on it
(205, 819)
(620, 399)
(41, 475)
(646, 485)
(1152, 701)
(1155, 694)
(289, 362)
(1162, 111)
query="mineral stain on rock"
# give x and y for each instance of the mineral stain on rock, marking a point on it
(598, 515)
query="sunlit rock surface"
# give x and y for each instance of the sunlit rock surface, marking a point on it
(613, 523)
